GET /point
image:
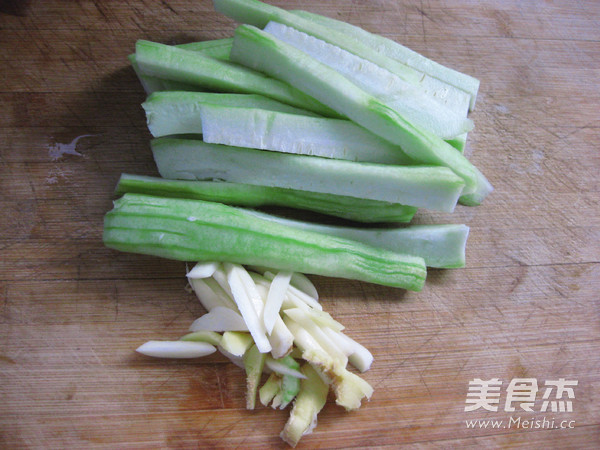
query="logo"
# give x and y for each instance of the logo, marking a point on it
(521, 394)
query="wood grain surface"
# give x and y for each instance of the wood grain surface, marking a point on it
(72, 312)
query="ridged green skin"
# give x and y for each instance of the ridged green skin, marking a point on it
(238, 194)
(217, 49)
(441, 246)
(194, 230)
(261, 51)
(193, 68)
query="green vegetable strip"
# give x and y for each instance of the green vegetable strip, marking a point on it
(194, 230)
(175, 112)
(481, 192)
(420, 186)
(396, 51)
(252, 196)
(218, 48)
(150, 84)
(262, 51)
(208, 44)
(256, 13)
(292, 133)
(441, 246)
(153, 84)
(185, 66)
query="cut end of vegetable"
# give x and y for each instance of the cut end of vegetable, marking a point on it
(484, 188)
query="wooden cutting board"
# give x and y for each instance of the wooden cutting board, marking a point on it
(525, 307)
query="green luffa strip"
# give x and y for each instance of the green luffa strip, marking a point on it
(238, 194)
(434, 188)
(194, 230)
